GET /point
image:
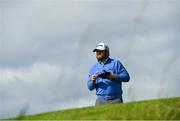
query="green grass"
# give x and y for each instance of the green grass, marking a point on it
(162, 109)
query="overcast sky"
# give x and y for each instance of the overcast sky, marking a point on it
(46, 50)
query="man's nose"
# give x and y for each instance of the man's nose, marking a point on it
(98, 52)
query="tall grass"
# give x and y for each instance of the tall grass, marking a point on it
(163, 109)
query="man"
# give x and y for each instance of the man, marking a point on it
(106, 76)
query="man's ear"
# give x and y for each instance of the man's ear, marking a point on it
(107, 53)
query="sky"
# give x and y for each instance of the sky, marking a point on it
(46, 51)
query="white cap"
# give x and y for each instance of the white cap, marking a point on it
(101, 46)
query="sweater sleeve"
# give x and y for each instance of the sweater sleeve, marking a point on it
(90, 83)
(123, 75)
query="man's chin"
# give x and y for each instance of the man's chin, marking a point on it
(100, 59)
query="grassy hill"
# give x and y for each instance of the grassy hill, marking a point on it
(152, 109)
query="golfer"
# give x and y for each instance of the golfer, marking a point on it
(106, 76)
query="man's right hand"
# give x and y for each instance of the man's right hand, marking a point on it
(94, 77)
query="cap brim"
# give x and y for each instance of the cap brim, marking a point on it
(95, 50)
(98, 50)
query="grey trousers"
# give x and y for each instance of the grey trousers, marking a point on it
(102, 101)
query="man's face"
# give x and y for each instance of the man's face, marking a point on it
(101, 54)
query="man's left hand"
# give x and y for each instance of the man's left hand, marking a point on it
(104, 75)
(112, 76)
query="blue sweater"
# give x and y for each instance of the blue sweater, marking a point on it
(108, 88)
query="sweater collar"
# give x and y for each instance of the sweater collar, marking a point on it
(103, 62)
